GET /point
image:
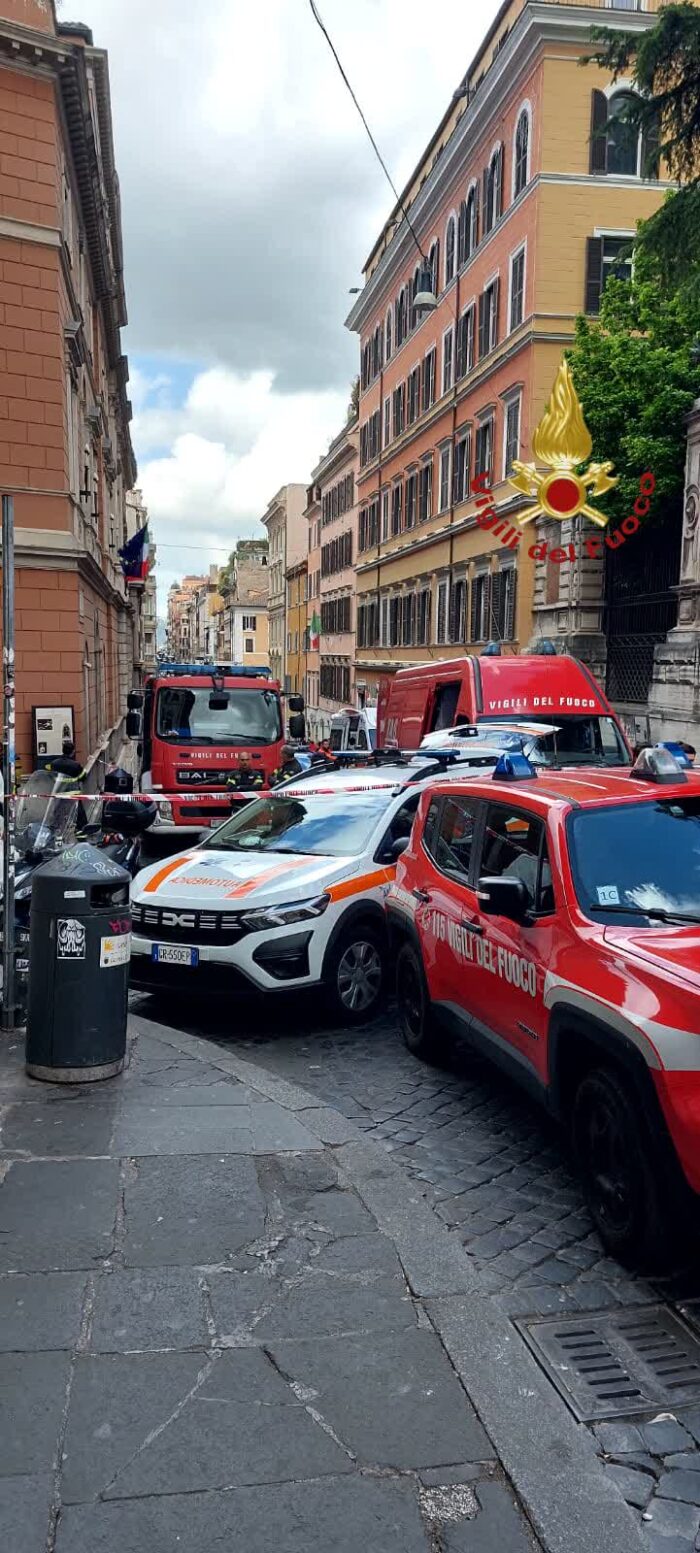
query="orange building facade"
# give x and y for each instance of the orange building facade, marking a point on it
(65, 449)
(523, 204)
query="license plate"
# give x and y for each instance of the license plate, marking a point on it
(174, 954)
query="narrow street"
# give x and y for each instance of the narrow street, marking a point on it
(499, 1176)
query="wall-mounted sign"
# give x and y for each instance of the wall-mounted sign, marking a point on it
(53, 727)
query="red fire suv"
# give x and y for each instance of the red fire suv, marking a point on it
(554, 921)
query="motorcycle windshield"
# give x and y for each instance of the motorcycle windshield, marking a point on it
(47, 817)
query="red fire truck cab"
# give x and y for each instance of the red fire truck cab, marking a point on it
(539, 687)
(198, 719)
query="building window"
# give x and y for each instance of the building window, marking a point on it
(493, 190)
(479, 623)
(521, 153)
(396, 509)
(441, 622)
(337, 554)
(502, 603)
(387, 333)
(411, 499)
(434, 262)
(472, 222)
(385, 514)
(415, 287)
(394, 621)
(250, 622)
(426, 492)
(399, 408)
(401, 317)
(517, 288)
(334, 681)
(429, 379)
(458, 612)
(423, 622)
(450, 251)
(465, 343)
(408, 619)
(447, 360)
(511, 435)
(483, 457)
(368, 531)
(488, 318)
(377, 351)
(335, 614)
(384, 638)
(618, 148)
(413, 395)
(461, 484)
(606, 257)
(387, 422)
(445, 477)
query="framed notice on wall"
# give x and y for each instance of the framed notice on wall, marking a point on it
(52, 727)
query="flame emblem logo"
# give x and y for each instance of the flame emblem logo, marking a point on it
(563, 443)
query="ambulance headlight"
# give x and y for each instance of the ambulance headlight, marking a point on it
(282, 916)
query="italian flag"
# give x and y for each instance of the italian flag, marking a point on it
(314, 633)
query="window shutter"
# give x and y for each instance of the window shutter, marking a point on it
(462, 234)
(511, 577)
(496, 606)
(472, 612)
(496, 304)
(485, 192)
(483, 347)
(498, 192)
(476, 214)
(452, 614)
(650, 150)
(598, 142)
(594, 274)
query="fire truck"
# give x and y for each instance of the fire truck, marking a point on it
(198, 719)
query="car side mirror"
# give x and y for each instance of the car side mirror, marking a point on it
(297, 725)
(504, 897)
(297, 704)
(134, 701)
(133, 725)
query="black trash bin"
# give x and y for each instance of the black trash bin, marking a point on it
(80, 942)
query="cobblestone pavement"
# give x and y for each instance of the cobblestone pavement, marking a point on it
(499, 1175)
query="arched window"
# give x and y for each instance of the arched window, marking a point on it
(387, 332)
(415, 287)
(377, 351)
(622, 138)
(434, 262)
(521, 154)
(493, 190)
(450, 251)
(472, 230)
(400, 317)
(462, 234)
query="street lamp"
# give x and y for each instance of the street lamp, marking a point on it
(425, 297)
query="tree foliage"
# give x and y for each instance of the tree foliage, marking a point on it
(664, 67)
(634, 371)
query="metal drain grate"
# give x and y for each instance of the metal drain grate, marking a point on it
(620, 1363)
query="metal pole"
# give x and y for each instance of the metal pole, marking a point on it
(8, 764)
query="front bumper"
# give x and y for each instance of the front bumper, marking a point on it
(267, 962)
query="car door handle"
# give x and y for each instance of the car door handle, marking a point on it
(472, 926)
(421, 895)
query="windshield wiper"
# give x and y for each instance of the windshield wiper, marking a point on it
(654, 913)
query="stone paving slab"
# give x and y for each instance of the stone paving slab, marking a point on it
(208, 1347)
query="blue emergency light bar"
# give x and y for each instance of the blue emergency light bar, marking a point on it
(513, 767)
(209, 670)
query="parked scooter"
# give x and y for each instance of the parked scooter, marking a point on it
(49, 817)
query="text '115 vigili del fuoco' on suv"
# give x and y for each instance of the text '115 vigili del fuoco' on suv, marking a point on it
(553, 920)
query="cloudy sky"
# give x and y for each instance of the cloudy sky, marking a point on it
(251, 198)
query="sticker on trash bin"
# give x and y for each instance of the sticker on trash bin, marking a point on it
(70, 940)
(115, 950)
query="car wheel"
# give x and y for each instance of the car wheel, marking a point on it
(419, 1026)
(625, 1181)
(356, 974)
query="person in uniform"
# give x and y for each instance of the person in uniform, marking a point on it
(245, 779)
(288, 767)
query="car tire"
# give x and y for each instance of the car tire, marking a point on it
(625, 1181)
(419, 1027)
(356, 973)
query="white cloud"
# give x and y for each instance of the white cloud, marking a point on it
(250, 199)
(230, 446)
